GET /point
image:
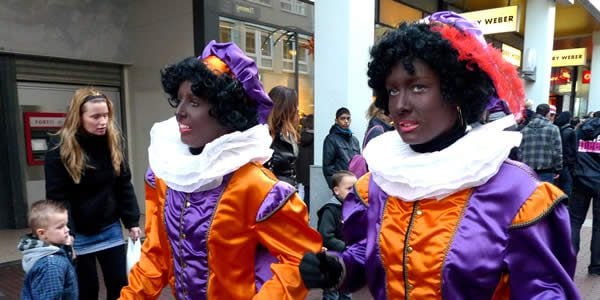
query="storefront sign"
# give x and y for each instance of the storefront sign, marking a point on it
(511, 55)
(586, 76)
(568, 57)
(495, 20)
(46, 122)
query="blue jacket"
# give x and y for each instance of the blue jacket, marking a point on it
(49, 272)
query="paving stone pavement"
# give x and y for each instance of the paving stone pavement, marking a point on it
(11, 277)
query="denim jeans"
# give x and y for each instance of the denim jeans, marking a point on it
(578, 208)
(335, 295)
(546, 176)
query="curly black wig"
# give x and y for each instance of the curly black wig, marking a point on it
(229, 103)
(462, 83)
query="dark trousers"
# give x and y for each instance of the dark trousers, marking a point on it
(113, 264)
(565, 181)
(545, 176)
(578, 208)
(307, 197)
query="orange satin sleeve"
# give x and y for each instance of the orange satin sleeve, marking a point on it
(155, 269)
(287, 236)
(361, 188)
(542, 201)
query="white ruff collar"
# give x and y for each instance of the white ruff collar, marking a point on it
(469, 162)
(172, 161)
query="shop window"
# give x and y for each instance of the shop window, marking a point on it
(251, 42)
(290, 50)
(228, 32)
(255, 41)
(259, 46)
(294, 6)
(266, 50)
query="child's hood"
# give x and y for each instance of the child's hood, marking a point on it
(332, 201)
(33, 250)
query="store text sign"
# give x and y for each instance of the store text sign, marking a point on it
(495, 20)
(43, 122)
(568, 57)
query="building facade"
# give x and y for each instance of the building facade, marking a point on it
(50, 48)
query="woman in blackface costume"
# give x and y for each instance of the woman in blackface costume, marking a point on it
(443, 214)
(218, 224)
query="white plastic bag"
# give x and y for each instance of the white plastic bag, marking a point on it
(134, 251)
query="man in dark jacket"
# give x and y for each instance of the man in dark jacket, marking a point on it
(339, 145)
(585, 188)
(569, 151)
(541, 147)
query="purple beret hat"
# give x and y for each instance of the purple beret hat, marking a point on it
(245, 71)
(458, 21)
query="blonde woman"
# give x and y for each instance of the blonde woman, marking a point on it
(85, 169)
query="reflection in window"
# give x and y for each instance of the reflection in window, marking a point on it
(225, 30)
(251, 41)
(266, 49)
(289, 53)
(294, 6)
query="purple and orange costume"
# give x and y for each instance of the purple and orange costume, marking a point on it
(237, 233)
(236, 241)
(477, 243)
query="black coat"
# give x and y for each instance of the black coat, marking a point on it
(587, 168)
(338, 148)
(305, 156)
(283, 161)
(330, 225)
(569, 145)
(101, 198)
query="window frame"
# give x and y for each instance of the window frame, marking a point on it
(296, 7)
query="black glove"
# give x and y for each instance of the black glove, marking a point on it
(320, 270)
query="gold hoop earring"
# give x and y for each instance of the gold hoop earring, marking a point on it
(460, 117)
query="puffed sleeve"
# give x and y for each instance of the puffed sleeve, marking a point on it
(282, 227)
(354, 215)
(155, 269)
(540, 257)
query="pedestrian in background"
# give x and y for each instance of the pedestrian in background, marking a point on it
(541, 147)
(330, 222)
(339, 146)
(86, 170)
(283, 126)
(306, 155)
(48, 254)
(569, 151)
(586, 189)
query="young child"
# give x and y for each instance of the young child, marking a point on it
(330, 221)
(47, 254)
